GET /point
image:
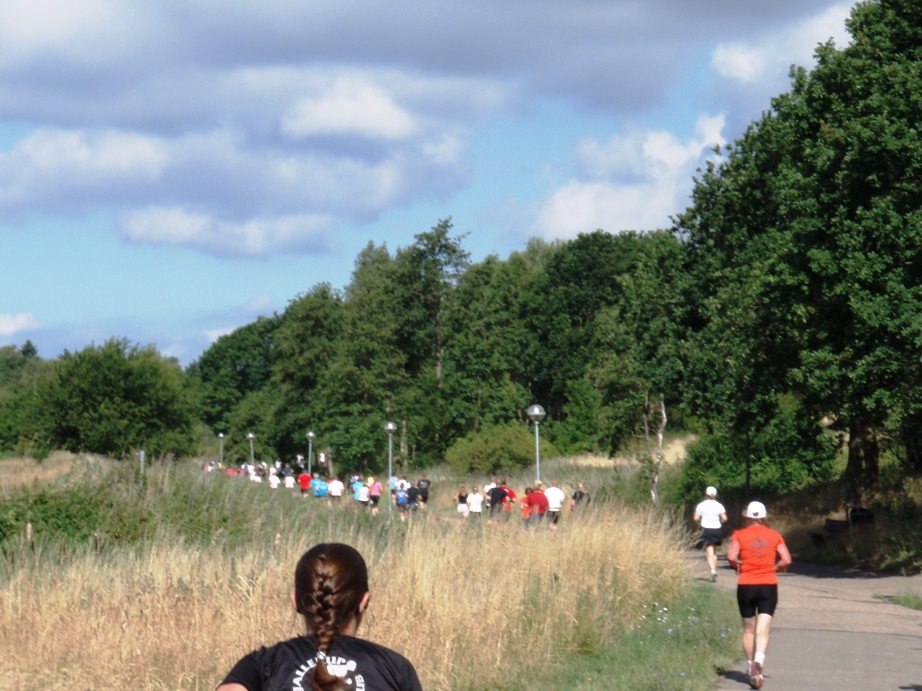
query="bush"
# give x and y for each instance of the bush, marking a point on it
(505, 447)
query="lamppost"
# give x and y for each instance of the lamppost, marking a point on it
(390, 428)
(221, 452)
(251, 437)
(536, 413)
(310, 452)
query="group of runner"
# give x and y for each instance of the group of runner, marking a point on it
(497, 500)
(757, 554)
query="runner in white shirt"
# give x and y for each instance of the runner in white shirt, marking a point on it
(336, 489)
(475, 503)
(712, 515)
(555, 499)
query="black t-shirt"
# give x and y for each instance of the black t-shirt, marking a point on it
(286, 666)
(424, 486)
(579, 495)
(412, 495)
(497, 494)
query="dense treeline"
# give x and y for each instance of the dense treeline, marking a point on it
(780, 317)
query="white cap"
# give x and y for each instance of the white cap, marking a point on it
(711, 492)
(756, 509)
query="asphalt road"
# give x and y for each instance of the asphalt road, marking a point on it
(836, 630)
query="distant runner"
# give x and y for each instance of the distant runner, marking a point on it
(424, 486)
(555, 500)
(712, 515)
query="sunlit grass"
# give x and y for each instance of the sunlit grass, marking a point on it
(467, 602)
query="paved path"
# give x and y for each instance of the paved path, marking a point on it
(831, 632)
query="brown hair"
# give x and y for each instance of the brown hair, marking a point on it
(330, 581)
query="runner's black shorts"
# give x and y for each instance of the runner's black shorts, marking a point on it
(553, 517)
(753, 598)
(711, 536)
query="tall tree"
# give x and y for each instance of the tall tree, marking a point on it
(806, 246)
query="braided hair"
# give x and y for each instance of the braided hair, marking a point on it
(330, 581)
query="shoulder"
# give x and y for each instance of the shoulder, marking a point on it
(393, 670)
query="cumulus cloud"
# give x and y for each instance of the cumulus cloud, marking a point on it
(254, 128)
(631, 182)
(254, 237)
(14, 323)
(770, 55)
(350, 107)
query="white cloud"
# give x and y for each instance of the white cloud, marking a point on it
(769, 56)
(351, 106)
(253, 237)
(13, 323)
(51, 163)
(214, 334)
(631, 182)
(26, 27)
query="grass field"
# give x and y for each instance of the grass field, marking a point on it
(170, 583)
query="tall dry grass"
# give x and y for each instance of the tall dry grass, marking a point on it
(467, 603)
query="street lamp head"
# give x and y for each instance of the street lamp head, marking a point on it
(390, 428)
(536, 413)
(251, 436)
(220, 435)
(311, 436)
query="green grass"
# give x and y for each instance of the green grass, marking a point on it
(910, 600)
(678, 647)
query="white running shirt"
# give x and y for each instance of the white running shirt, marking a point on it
(710, 510)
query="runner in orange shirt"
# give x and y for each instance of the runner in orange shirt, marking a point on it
(758, 554)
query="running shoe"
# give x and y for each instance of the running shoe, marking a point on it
(755, 676)
(713, 577)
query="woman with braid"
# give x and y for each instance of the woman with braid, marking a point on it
(331, 593)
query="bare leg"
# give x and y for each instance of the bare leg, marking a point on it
(710, 553)
(763, 633)
(749, 636)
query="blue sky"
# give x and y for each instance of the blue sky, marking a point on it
(169, 171)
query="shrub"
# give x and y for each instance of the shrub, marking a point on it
(505, 447)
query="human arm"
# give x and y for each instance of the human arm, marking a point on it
(723, 517)
(232, 687)
(733, 555)
(784, 558)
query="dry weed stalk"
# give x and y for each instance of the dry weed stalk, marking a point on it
(466, 602)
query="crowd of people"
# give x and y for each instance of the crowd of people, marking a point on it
(408, 496)
(497, 500)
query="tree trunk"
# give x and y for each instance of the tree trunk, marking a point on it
(911, 435)
(862, 470)
(658, 463)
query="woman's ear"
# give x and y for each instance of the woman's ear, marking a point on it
(363, 605)
(294, 601)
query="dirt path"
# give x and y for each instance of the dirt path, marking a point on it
(831, 632)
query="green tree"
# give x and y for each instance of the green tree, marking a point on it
(115, 398)
(235, 365)
(805, 248)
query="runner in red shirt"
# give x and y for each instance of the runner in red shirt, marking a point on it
(538, 503)
(304, 480)
(509, 499)
(758, 554)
